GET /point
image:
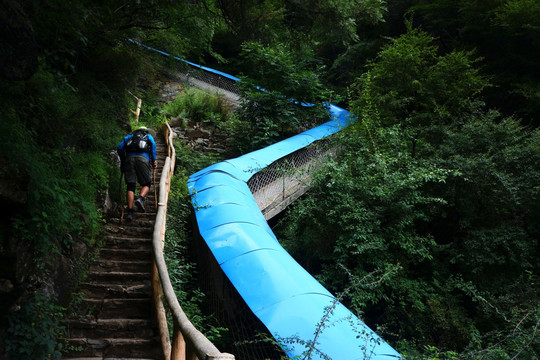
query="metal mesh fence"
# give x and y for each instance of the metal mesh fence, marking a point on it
(283, 181)
(273, 188)
(224, 83)
(211, 82)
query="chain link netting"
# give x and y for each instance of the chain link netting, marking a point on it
(211, 82)
(215, 80)
(273, 188)
(283, 181)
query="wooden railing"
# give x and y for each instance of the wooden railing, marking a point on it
(188, 343)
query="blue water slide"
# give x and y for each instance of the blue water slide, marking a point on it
(286, 298)
(295, 308)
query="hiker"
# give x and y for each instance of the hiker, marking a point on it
(137, 153)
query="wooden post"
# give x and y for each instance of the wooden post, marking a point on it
(160, 313)
(191, 354)
(178, 350)
(138, 111)
(199, 346)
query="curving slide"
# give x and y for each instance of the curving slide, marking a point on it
(297, 310)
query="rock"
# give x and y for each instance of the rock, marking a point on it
(97, 343)
(107, 205)
(80, 250)
(176, 122)
(198, 133)
(114, 158)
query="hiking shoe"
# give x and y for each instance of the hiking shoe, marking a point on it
(129, 215)
(140, 204)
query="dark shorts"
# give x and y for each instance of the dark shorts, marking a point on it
(138, 168)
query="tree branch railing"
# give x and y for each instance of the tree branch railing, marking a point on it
(187, 342)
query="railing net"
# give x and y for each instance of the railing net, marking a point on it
(283, 181)
(274, 184)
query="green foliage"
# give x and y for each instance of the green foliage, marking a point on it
(182, 270)
(361, 215)
(55, 148)
(151, 117)
(438, 198)
(519, 14)
(199, 106)
(243, 20)
(34, 329)
(191, 162)
(518, 341)
(504, 34)
(265, 118)
(332, 26)
(186, 26)
(292, 97)
(411, 84)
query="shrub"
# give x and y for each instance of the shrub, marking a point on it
(199, 106)
(34, 329)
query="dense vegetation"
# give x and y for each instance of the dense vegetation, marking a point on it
(429, 215)
(430, 210)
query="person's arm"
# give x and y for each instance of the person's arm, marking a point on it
(153, 151)
(121, 150)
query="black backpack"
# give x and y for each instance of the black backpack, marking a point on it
(139, 142)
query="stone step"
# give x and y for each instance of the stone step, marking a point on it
(149, 214)
(103, 290)
(136, 228)
(142, 219)
(108, 265)
(111, 328)
(117, 277)
(120, 308)
(116, 319)
(110, 348)
(143, 253)
(126, 243)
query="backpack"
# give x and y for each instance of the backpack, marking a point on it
(139, 142)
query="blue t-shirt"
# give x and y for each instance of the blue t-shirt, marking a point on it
(151, 155)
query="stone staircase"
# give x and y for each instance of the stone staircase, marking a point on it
(115, 318)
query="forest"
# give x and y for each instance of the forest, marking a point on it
(427, 222)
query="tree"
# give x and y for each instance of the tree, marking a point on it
(436, 192)
(282, 95)
(504, 34)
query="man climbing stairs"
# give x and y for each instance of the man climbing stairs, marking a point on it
(114, 317)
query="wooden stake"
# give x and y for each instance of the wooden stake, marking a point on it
(138, 111)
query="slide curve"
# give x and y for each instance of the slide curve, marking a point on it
(295, 308)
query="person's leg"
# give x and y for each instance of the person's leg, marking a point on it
(139, 202)
(130, 197)
(131, 184)
(144, 191)
(144, 176)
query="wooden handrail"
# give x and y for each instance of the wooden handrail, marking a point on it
(188, 342)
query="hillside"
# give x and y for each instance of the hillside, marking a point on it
(427, 222)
